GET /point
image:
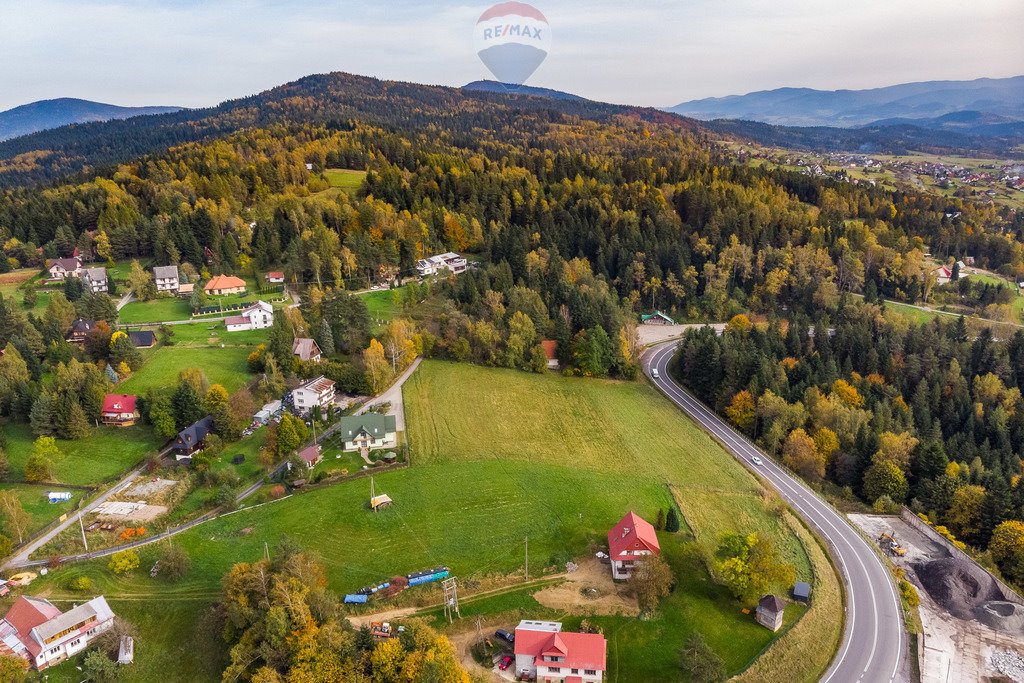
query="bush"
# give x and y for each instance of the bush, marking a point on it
(81, 584)
(98, 667)
(123, 562)
(909, 593)
(174, 562)
(277, 491)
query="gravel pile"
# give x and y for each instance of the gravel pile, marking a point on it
(958, 585)
(1010, 664)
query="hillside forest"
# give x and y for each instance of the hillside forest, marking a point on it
(580, 219)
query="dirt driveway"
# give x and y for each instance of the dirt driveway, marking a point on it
(589, 590)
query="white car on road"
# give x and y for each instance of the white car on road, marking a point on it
(654, 373)
(757, 461)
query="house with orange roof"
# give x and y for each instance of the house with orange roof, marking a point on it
(628, 541)
(220, 285)
(547, 654)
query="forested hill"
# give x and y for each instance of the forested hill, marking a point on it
(333, 99)
(45, 114)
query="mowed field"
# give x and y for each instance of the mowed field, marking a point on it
(225, 366)
(101, 456)
(499, 456)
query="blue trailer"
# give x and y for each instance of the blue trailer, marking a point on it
(428, 576)
(356, 599)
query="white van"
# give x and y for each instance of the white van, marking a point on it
(654, 373)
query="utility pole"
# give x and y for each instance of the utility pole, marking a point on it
(451, 599)
(527, 558)
(82, 527)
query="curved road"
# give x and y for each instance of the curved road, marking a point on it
(873, 643)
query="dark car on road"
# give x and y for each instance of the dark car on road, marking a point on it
(505, 635)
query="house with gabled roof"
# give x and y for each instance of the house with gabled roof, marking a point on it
(544, 652)
(166, 278)
(257, 317)
(119, 410)
(62, 268)
(656, 318)
(628, 541)
(80, 329)
(368, 431)
(318, 391)
(37, 631)
(191, 438)
(306, 349)
(95, 279)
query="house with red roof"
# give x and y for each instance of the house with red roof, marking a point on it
(547, 654)
(119, 410)
(311, 455)
(550, 347)
(256, 317)
(629, 540)
(220, 285)
(275, 277)
(39, 632)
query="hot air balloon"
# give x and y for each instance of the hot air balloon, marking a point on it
(512, 39)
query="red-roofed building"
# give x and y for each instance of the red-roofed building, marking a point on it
(119, 410)
(275, 277)
(224, 284)
(548, 655)
(628, 541)
(311, 455)
(550, 347)
(40, 633)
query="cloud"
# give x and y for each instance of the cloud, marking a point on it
(658, 52)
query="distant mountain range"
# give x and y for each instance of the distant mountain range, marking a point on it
(511, 89)
(46, 114)
(924, 104)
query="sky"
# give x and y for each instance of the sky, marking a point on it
(648, 52)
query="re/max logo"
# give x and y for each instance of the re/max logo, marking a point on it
(512, 30)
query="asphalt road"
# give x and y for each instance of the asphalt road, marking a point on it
(873, 641)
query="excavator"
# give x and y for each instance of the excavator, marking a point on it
(891, 545)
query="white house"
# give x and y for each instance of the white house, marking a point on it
(39, 632)
(368, 431)
(628, 541)
(544, 652)
(95, 279)
(449, 261)
(256, 317)
(65, 267)
(318, 391)
(166, 278)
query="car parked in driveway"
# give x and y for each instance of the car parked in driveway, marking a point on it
(505, 635)
(505, 662)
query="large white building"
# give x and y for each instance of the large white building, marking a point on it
(546, 654)
(318, 391)
(433, 265)
(39, 632)
(256, 317)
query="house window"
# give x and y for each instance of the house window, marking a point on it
(555, 669)
(590, 672)
(575, 671)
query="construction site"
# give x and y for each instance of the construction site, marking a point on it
(972, 624)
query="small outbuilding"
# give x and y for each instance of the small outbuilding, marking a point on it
(656, 318)
(142, 339)
(770, 611)
(311, 455)
(126, 652)
(802, 592)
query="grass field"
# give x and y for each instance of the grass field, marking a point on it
(225, 366)
(33, 499)
(345, 179)
(499, 456)
(101, 456)
(157, 310)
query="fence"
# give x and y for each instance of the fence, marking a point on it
(913, 520)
